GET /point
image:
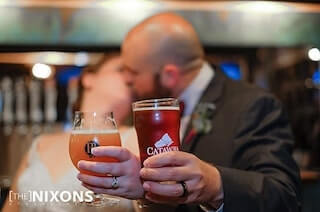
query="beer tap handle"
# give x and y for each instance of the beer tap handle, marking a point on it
(21, 106)
(35, 109)
(72, 96)
(50, 103)
(8, 118)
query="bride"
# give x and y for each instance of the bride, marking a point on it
(47, 166)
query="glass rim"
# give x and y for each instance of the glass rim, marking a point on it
(94, 112)
(147, 101)
(158, 103)
(91, 117)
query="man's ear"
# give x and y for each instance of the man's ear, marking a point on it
(170, 76)
(87, 80)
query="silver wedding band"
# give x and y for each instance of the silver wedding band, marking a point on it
(185, 189)
(115, 183)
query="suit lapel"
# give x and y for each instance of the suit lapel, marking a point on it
(212, 94)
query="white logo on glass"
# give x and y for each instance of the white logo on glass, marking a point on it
(165, 140)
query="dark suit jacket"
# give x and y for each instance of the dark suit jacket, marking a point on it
(251, 144)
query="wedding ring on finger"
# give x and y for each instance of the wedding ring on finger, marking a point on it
(185, 189)
(115, 183)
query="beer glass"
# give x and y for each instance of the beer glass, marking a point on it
(89, 130)
(157, 122)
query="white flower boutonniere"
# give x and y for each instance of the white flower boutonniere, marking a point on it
(201, 120)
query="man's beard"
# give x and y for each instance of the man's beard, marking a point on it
(159, 91)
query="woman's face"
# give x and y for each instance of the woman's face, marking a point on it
(108, 89)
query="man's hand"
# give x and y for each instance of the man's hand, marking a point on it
(126, 170)
(203, 181)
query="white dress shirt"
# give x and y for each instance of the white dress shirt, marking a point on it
(191, 96)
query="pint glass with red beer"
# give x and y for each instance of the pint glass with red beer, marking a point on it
(157, 122)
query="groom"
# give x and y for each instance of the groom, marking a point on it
(241, 163)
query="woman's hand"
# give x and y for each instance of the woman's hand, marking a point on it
(126, 171)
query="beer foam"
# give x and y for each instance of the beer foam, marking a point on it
(157, 108)
(94, 131)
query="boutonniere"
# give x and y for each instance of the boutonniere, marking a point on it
(201, 120)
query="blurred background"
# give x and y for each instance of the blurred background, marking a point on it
(45, 44)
